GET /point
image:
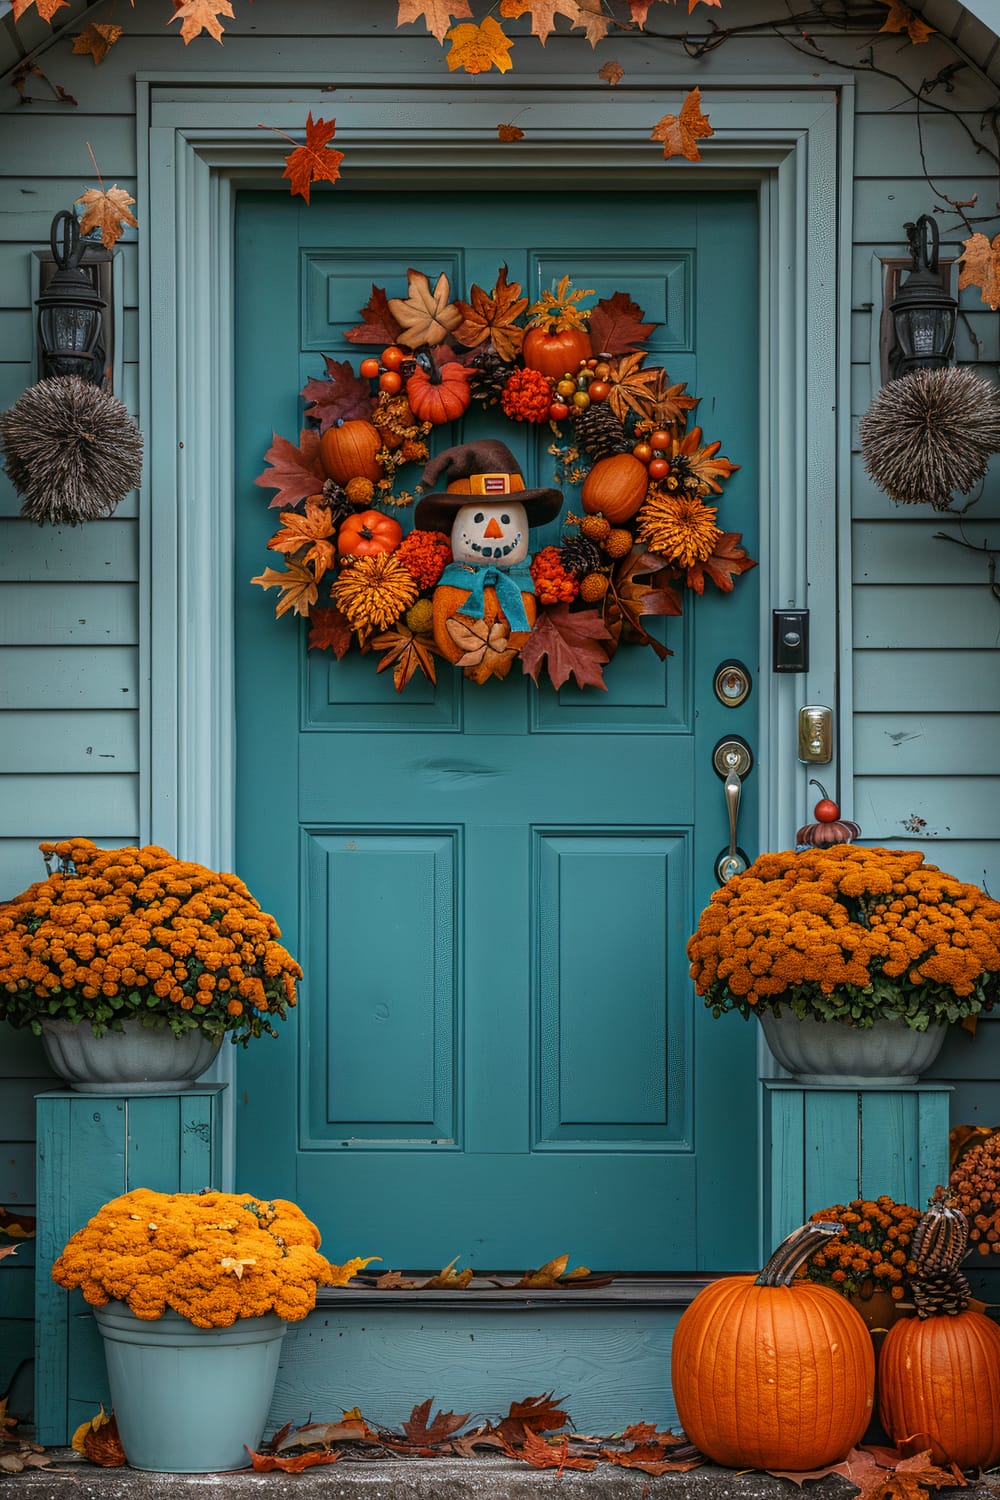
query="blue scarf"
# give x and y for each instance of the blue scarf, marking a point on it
(509, 583)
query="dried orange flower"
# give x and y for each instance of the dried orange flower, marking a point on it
(870, 1252)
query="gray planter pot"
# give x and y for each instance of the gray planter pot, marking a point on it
(828, 1052)
(137, 1060)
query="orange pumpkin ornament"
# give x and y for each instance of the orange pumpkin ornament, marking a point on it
(616, 486)
(368, 532)
(939, 1373)
(348, 451)
(441, 395)
(556, 351)
(771, 1373)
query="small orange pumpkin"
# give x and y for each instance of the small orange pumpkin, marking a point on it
(616, 486)
(557, 352)
(771, 1373)
(348, 451)
(448, 601)
(441, 395)
(368, 532)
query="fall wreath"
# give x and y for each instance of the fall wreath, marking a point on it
(460, 584)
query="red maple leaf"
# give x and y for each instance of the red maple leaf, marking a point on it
(315, 161)
(296, 473)
(339, 397)
(423, 1432)
(377, 326)
(265, 1463)
(616, 325)
(727, 561)
(541, 1454)
(329, 630)
(571, 642)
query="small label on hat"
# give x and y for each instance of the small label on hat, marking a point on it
(495, 484)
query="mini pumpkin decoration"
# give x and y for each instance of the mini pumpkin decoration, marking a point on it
(616, 486)
(939, 1373)
(348, 452)
(557, 351)
(368, 532)
(830, 827)
(771, 1373)
(441, 394)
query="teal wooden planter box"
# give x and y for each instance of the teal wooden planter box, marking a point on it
(92, 1147)
(828, 1145)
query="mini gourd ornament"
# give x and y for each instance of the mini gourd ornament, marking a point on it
(488, 512)
(829, 828)
(773, 1373)
(939, 1373)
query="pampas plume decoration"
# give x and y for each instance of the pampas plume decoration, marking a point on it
(931, 433)
(71, 449)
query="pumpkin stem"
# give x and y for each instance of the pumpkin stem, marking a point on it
(793, 1251)
(814, 782)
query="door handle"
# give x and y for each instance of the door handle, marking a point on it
(733, 760)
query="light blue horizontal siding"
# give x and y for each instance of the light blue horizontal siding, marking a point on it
(927, 743)
(65, 806)
(97, 552)
(54, 740)
(69, 614)
(74, 677)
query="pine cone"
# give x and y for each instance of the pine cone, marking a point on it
(600, 433)
(580, 556)
(940, 1295)
(336, 498)
(490, 375)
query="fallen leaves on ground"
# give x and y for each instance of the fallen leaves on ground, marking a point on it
(99, 1442)
(553, 1274)
(16, 1452)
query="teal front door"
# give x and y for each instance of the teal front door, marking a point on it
(497, 1053)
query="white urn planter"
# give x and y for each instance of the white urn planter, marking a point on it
(136, 1060)
(889, 1053)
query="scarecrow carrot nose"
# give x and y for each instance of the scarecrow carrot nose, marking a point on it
(493, 528)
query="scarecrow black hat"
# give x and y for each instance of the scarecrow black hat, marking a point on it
(484, 470)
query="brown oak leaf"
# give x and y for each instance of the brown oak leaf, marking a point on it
(612, 72)
(298, 588)
(438, 14)
(493, 315)
(616, 325)
(681, 133)
(477, 49)
(649, 1459)
(640, 585)
(979, 265)
(902, 18)
(552, 1274)
(267, 1463)
(295, 472)
(406, 653)
(107, 211)
(98, 1440)
(544, 1453)
(97, 40)
(316, 161)
(197, 16)
(338, 397)
(425, 315)
(448, 1279)
(727, 562)
(534, 1414)
(569, 645)
(510, 133)
(311, 529)
(377, 326)
(423, 1432)
(329, 630)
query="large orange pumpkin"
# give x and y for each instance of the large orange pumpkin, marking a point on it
(616, 486)
(348, 452)
(556, 352)
(939, 1373)
(771, 1373)
(441, 396)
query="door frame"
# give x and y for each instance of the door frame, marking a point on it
(201, 141)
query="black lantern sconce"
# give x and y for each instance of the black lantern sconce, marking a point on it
(72, 338)
(923, 312)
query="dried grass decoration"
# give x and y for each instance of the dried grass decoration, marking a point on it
(72, 451)
(931, 433)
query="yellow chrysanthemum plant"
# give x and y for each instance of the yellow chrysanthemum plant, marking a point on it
(211, 1257)
(849, 934)
(117, 934)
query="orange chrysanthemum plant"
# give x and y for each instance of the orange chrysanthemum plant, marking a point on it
(850, 934)
(114, 934)
(872, 1250)
(212, 1257)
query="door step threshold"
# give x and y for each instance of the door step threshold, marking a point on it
(627, 1289)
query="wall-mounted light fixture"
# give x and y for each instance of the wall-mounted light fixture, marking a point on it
(923, 312)
(71, 331)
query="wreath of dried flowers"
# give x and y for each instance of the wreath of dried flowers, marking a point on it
(578, 367)
(135, 933)
(872, 1250)
(212, 1257)
(849, 934)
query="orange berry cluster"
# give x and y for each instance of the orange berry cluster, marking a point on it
(975, 1184)
(425, 555)
(527, 396)
(871, 1252)
(553, 584)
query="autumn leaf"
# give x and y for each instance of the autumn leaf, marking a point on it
(438, 14)
(295, 472)
(979, 265)
(352, 1428)
(298, 586)
(901, 18)
(377, 326)
(700, 460)
(341, 1275)
(316, 161)
(508, 133)
(338, 397)
(99, 1442)
(640, 10)
(395, 1281)
(107, 211)
(543, 1453)
(330, 630)
(197, 16)
(612, 72)
(649, 1459)
(311, 530)
(560, 309)
(45, 8)
(640, 586)
(477, 49)
(670, 404)
(448, 1279)
(267, 1463)
(237, 1264)
(570, 645)
(425, 316)
(727, 562)
(632, 387)
(680, 134)
(422, 1432)
(406, 653)
(543, 14)
(6, 1250)
(97, 40)
(552, 1274)
(17, 1226)
(616, 325)
(493, 316)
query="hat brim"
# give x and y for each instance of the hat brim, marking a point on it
(437, 512)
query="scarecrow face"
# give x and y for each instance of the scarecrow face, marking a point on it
(491, 534)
